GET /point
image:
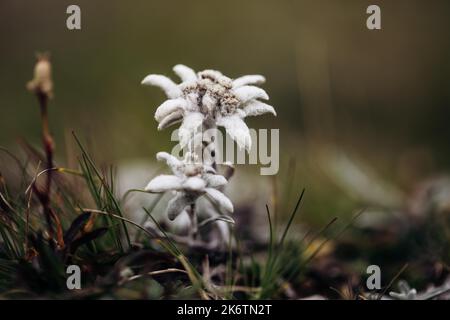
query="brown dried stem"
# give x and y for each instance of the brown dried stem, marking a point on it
(42, 86)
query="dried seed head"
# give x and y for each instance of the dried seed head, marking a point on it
(42, 83)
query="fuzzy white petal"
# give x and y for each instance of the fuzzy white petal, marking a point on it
(220, 200)
(171, 119)
(170, 159)
(237, 129)
(215, 180)
(241, 113)
(256, 108)
(174, 163)
(249, 79)
(177, 204)
(170, 88)
(247, 93)
(164, 183)
(209, 169)
(185, 73)
(194, 184)
(169, 106)
(191, 123)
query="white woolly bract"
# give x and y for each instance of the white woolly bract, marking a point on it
(237, 129)
(174, 163)
(169, 106)
(185, 73)
(220, 200)
(256, 108)
(215, 180)
(247, 93)
(194, 184)
(249, 79)
(170, 88)
(191, 124)
(164, 183)
(171, 119)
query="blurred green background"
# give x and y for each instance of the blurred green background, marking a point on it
(380, 97)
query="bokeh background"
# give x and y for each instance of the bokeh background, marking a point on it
(363, 114)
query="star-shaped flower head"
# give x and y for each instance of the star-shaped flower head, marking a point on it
(406, 292)
(190, 180)
(208, 99)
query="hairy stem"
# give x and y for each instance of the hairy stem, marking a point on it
(210, 154)
(194, 222)
(44, 195)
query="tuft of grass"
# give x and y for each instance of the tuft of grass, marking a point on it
(270, 276)
(101, 188)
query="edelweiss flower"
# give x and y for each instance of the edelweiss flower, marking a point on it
(406, 292)
(189, 181)
(208, 99)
